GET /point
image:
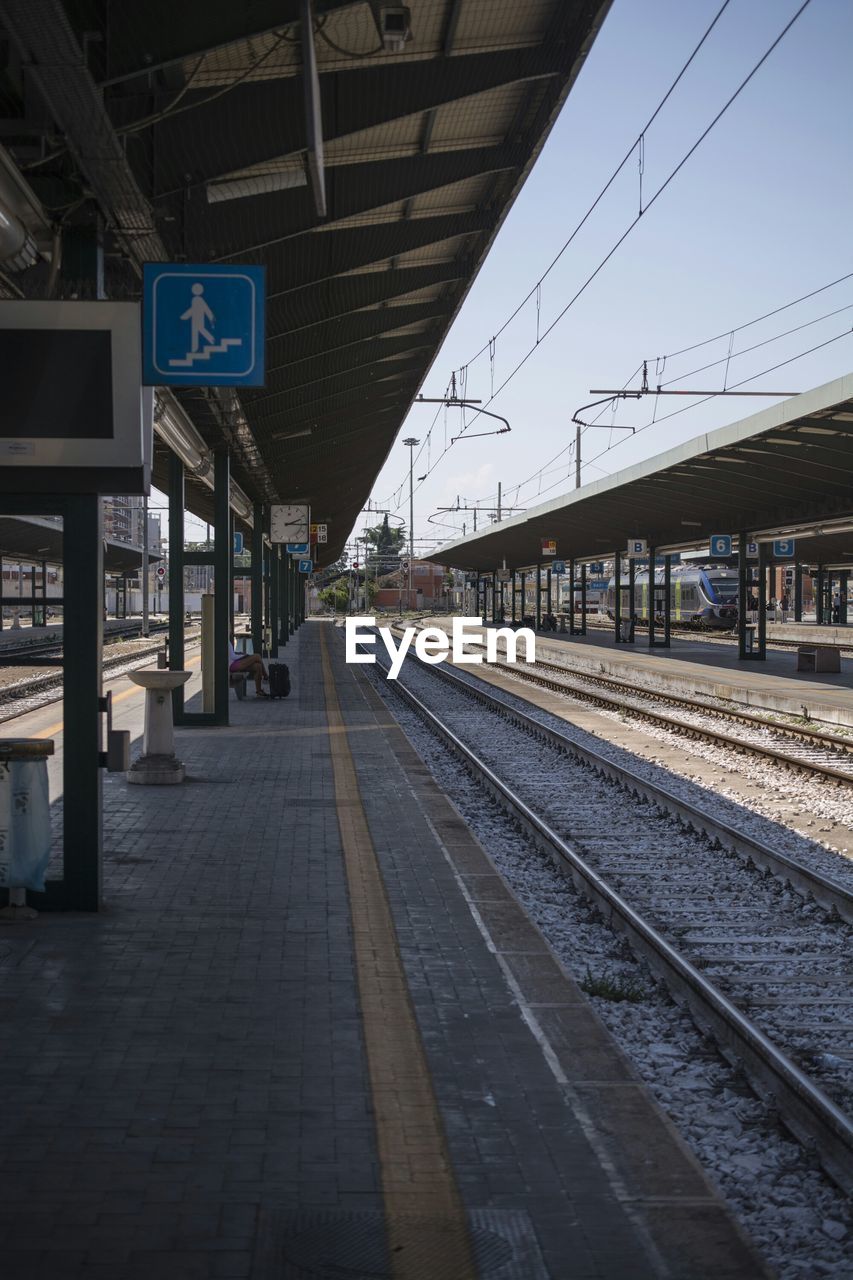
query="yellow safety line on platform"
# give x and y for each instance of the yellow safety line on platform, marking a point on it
(425, 1218)
(117, 697)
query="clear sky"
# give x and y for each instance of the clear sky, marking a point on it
(760, 215)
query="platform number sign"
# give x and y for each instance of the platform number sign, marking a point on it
(721, 544)
(559, 566)
(202, 325)
(784, 548)
(306, 566)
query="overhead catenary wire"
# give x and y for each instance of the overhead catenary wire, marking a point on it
(489, 345)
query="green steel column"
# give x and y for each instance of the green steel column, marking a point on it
(287, 629)
(257, 627)
(274, 601)
(843, 582)
(762, 600)
(583, 600)
(538, 595)
(176, 578)
(742, 595)
(83, 555)
(667, 601)
(223, 560)
(617, 597)
(652, 584)
(798, 592)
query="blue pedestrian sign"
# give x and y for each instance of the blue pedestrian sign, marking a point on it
(558, 566)
(783, 547)
(202, 325)
(296, 548)
(721, 544)
(306, 566)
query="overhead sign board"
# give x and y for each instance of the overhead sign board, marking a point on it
(638, 547)
(504, 575)
(297, 548)
(721, 544)
(752, 549)
(783, 547)
(549, 547)
(72, 396)
(203, 325)
(319, 533)
(289, 522)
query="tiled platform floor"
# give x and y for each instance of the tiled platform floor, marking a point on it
(185, 1073)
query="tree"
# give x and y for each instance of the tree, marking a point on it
(387, 544)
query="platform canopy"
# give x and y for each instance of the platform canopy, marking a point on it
(372, 204)
(32, 539)
(785, 472)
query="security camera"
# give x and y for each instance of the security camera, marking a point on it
(395, 26)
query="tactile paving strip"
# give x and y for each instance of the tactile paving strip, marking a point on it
(347, 1245)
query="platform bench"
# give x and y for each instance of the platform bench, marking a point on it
(818, 657)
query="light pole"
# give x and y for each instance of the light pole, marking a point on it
(411, 442)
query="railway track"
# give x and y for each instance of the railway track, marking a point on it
(738, 953)
(48, 651)
(815, 751)
(29, 694)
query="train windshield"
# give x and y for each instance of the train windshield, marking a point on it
(726, 588)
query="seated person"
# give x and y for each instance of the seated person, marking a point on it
(252, 664)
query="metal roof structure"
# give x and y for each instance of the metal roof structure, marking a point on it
(786, 471)
(32, 539)
(187, 125)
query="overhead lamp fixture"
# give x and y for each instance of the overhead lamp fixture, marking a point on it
(696, 524)
(395, 26)
(294, 435)
(258, 184)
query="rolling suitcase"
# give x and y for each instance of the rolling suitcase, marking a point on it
(279, 679)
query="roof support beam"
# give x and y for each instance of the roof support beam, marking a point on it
(352, 102)
(280, 401)
(324, 254)
(143, 38)
(345, 294)
(339, 333)
(352, 190)
(313, 110)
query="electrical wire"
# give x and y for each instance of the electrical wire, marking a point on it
(657, 194)
(767, 315)
(608, 184)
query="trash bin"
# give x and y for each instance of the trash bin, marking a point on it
(749, 638)
(626, 630)
(25, 836)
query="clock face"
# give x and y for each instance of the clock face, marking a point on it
(289, 522)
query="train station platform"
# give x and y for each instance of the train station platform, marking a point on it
(312, 1033)
(711, 668)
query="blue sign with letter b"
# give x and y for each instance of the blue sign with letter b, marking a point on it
(202, 325)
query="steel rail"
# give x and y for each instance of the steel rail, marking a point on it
(702, 732)
(810, 1115)
(527, 671)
